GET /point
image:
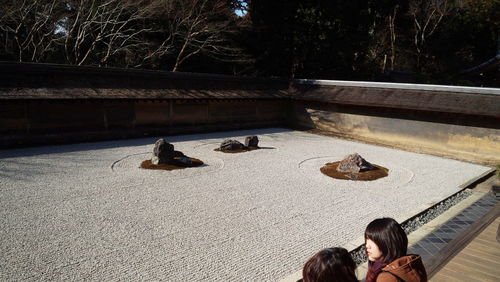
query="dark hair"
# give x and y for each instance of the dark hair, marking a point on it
(389, 237)
(330, 265)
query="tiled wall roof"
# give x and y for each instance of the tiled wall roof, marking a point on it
(42, 81)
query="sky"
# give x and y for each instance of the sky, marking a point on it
(242, 12)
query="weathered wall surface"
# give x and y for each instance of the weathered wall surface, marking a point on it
(45, 122)
(41, 104)
(460, 123)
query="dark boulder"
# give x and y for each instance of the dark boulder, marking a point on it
(163, 152)
(179, 154)
(186, 161)
(231, 145)
(252, 141)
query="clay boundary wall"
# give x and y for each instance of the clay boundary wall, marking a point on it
(49, 104)
(455, 122)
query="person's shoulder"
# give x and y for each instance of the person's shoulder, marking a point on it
(409, 268)
(403, 262)
(386, 276)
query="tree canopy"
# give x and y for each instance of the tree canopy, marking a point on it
(433, 41)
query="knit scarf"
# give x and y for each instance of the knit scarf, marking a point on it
(374, 268)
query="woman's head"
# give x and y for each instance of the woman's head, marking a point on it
(333, 264)
(385, 240)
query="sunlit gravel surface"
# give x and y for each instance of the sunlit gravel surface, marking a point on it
(88, 212)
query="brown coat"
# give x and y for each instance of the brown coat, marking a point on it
(409, 268)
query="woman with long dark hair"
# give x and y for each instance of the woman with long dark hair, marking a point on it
(386, 246)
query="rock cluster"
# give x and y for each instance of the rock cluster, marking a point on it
(354, 163)
(163, 153)
(165, 158)
(230, 144)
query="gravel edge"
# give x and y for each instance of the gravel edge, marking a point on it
(417, 221)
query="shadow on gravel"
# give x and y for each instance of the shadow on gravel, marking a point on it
(67, 148)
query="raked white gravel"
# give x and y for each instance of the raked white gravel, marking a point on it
(87, 212)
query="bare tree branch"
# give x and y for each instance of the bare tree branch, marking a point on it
(30, 23)
(103, 29)
(427, 14)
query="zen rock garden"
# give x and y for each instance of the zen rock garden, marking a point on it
(234, 146)
(166, 158)
(354, 167)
